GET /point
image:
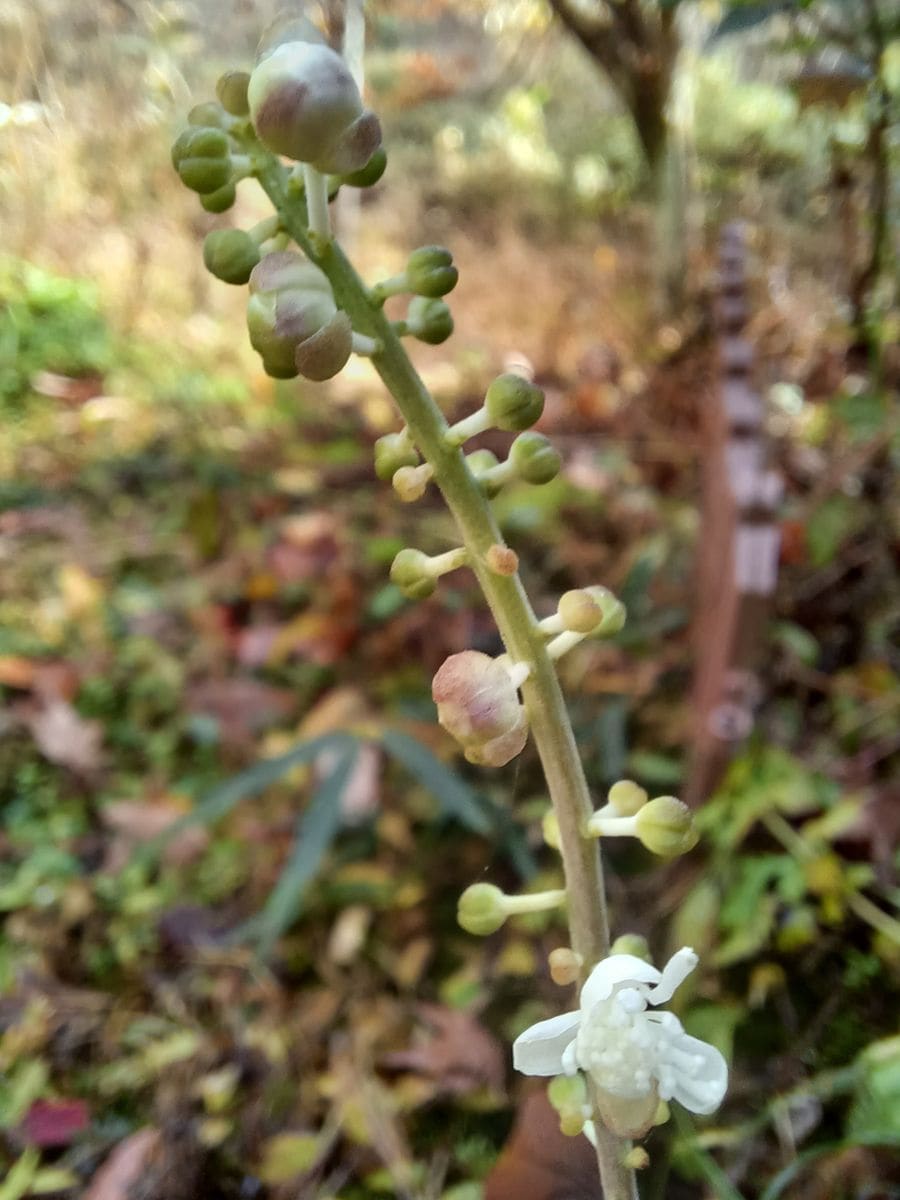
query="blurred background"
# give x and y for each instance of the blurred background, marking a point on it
(197, 632)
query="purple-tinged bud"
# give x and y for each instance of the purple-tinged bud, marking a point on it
(305, 104)
(478, 704)
(368, 175)
(294, 323)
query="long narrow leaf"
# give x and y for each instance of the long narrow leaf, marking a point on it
(221, 800)
(454, 796)
(317, 828)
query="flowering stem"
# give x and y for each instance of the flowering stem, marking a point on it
(511, 609)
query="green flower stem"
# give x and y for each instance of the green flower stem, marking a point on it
(317, 204)
(441, 564)
(476, 422)
(395, 286)
(534, 902)
(365, 346)
(542, 695)
(564, 642)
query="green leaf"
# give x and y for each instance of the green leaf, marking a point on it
(876, 1106)
(317, 828)
(20, 1178)
(454, 796)
(219, 802)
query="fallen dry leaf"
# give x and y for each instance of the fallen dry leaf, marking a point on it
(241, 705)
(64, 737)
(54, 1122)
(138, 821)
(455, 1050)
(541, 1163)
(124, 1166)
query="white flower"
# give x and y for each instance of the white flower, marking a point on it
(635, 1056)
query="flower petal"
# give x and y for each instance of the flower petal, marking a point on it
(674, 973)
(700, 1086)
(539, 1050)
(608, 974)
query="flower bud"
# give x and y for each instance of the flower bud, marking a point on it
(294, 323)
(627, 798)
(478, 704)
(232, 92)
(480, 463)
(220, 200)
(208, 113)
(633, 944)
(429, 320)
(230, 255)
(579, 611)
(665, 826)
(568, 1095)
(499, 751)
(565, 966)
(368, 175)
(392, 452)
(430, 271)
(534, 458)
(305, 104)
(201, 158)
(513, 403)
(481, 909)
(410, 571)
(614, 611)
(410, 482)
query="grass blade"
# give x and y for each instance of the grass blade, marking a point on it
(317, 828)
(455, 798)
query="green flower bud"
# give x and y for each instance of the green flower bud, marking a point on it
(305, 104)
(294, 323)
(579, 611)
(201, 157)
(478, 704)
(430, 271)
(568, 1095)
(410, 571)
(534, 458)
(208, 113)
(392, 452)
(665, 826)
(513, 403)
(627, 798)
(220, 200)
(429, 320)
(232, 92)
(481, 909)
(230, 255)
(614, 611)
(368, 175)
(481, 463)
(632, 943)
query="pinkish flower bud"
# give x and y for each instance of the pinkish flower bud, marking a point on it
(478, 704)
